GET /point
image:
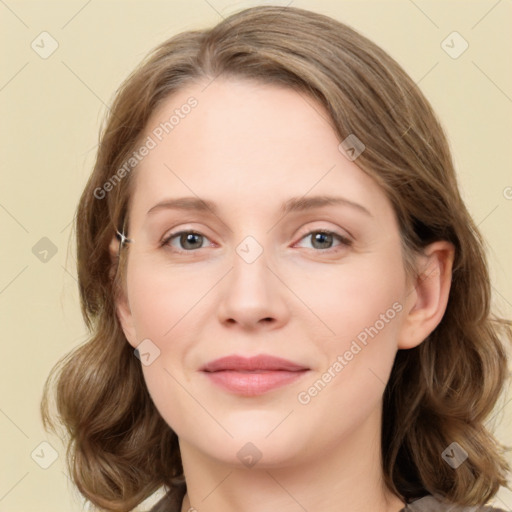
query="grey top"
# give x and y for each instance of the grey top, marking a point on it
(431, 504)
(425, 504)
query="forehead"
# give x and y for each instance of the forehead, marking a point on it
(244, 141)
(232, 116)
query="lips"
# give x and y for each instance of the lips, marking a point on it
(256, 363)
(251, 376)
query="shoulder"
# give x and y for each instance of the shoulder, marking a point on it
(431, 504)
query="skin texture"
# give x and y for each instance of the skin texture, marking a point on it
(250, 147)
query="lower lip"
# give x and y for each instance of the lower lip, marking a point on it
(253, 383)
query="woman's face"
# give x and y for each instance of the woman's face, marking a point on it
(258, 277)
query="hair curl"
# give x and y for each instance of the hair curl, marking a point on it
(120, 449)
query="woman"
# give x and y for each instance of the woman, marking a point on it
(327, 344)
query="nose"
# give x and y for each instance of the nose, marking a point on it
(253, 296)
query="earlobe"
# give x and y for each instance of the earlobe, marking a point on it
(426, 303)
(122, 305)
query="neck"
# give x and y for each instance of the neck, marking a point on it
(347, 477)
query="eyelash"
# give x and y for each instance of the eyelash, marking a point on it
(344, 241)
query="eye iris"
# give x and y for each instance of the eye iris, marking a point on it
(320, 237)
(191, 238)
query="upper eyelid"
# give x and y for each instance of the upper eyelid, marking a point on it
(344, 238)
(171, 233)
(343, 233)
(303, 219)
(307, 230)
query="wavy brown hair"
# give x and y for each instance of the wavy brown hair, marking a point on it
(120, 450)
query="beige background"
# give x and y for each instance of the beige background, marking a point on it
(51, 109)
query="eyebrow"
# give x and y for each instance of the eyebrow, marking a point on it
(294, 204)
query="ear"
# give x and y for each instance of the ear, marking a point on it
(122, 305)
(426, 303)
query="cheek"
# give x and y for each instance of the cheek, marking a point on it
(162, 299)
(163, 304)
(358, 296)
(364, 309)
